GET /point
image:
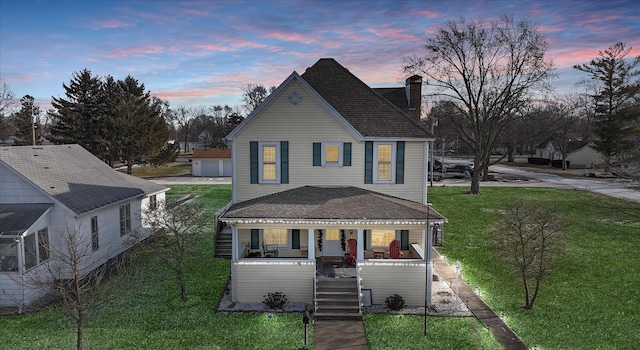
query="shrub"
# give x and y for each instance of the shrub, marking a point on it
(394, 302)
(538, 161)
(275, 300)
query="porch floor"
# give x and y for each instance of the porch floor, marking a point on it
(334, 269)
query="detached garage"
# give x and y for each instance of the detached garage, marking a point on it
(211, 162)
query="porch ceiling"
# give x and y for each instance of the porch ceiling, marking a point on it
(331, 203)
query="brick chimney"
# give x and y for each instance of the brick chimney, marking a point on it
(413, 88)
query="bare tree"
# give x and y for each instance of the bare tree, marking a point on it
(530, 236)
(253, 95)
(6, 100)
(186, 119)
(178, 227)
(488, 72)
(72, 271)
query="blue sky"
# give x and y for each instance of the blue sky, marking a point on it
(202, 52)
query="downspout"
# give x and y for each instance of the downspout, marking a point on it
(426, 173)
(20, 245)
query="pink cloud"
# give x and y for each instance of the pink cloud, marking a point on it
(292, 37)
(136, 51)
(111, 24)
(194, 12)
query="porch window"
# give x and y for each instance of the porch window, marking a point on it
(125, 219)
(36, 248)
(382, 238)
(275, 236)
(8, 254)
(332, 235)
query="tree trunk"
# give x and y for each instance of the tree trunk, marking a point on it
(183, 292)
(80, 330)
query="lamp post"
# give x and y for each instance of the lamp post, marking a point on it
(305, 321)
(457, 284)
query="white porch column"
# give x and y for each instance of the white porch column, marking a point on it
(360, 250)
(311, 246)
(234, 258)
(429, 261)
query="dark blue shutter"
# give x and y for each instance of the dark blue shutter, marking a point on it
(253, 150)
(404, 239)
(346, 154)
(317, 154)
(368, 162)
(400, 162)
(295, 239)
(284, 162)
(364, 238)
(255, 238)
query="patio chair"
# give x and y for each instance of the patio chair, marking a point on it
(394, 250)
(269, 250)
(353, 250)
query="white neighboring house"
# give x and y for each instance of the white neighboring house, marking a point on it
(211, 162)
(46, 190)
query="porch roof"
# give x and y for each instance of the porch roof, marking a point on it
(17, 218)
(331, 204)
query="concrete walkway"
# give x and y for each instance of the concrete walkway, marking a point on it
(337, 335)
(500, 331)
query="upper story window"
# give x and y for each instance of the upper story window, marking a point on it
(383, 155)
(332, 154)
(269, 161)
(384, 162)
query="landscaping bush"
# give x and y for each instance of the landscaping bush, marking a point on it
(394, 302)
(557, 163)
(275, 300)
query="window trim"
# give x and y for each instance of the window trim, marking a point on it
(323, 156)
(278, 161)
(392, 162)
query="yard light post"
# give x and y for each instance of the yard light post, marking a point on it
(457, 284)
(305, 321)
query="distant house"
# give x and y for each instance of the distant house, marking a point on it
(580, 153)
(326, 167)
(211, 162)
(46, 191)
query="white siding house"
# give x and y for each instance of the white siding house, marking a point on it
(326, 159)
(211, 162)
(49, 191)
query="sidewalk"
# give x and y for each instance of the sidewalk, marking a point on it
(351, 335)
(500, 331)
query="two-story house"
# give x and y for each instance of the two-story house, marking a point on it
(325, 159)
(51, 193)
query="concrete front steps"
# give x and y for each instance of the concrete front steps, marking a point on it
(337, 299)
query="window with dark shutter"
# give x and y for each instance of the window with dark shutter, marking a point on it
(255, 238)
(368, 162)
(404, 239)
(400, 162)
(317, 154)
(346, 154)
(253, 150)
(284, 162)
(295, 239)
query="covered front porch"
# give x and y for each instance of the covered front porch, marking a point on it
(281, 244)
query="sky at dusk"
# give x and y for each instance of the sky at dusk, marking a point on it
(200, 53)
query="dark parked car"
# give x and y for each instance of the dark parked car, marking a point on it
(437, 165)
(461, 169)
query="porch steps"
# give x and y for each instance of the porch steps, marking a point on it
(337, 299)
(223, 245)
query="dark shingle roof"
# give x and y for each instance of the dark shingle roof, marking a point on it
(330, 203)
(16, 218)
(74, 176)
(365, 109)
(397, 96)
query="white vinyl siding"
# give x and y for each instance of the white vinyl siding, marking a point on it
(386, 278)
(302, 125)
(255, 279)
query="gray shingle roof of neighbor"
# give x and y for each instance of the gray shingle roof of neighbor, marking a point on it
(74, 176)
(16, 218)
(364, 108)
(331, 203)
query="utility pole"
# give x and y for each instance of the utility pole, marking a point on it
(33, 127)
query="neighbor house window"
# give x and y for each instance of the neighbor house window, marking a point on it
(95, 244)
(153, 202)
(36, 248)
(125, 219)
(382, 238)
(275, 236)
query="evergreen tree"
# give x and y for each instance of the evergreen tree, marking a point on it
(80, 116)
(26, 119)
(616, 95)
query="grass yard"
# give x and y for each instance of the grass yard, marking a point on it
(591, 299)
(172, 169)
(590, 302)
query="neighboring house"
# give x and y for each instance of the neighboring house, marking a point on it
(323, 159)
(211, 162)
(580, 153)
(46, 191)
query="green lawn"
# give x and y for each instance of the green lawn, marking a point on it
(591, 299)
(590, 302)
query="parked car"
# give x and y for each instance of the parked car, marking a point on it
(460, 169)
(437, 165)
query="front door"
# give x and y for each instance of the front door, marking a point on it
(332, 246)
